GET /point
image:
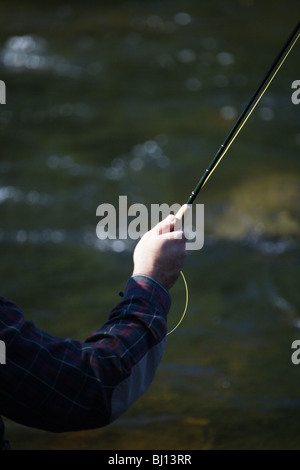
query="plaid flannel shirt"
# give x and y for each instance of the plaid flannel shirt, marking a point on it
(59, 384)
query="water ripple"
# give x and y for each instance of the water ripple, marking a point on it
(31, 52)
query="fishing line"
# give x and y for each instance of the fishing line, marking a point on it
(186, 304)
(241, 121)
(248, 111)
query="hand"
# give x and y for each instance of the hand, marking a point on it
(161, 252)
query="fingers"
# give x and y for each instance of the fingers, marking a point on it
(161, 252)
(166, 230)
(169, 226)
(176, 235)
(166, 225)
(184, 210)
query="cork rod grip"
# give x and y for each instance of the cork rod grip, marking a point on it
(183, 211)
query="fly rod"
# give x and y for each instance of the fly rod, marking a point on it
(243, 118)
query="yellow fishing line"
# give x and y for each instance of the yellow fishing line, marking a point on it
(247, 112)
(294, 37)
(256, 102)
(186, 304)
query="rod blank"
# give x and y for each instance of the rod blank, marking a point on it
(247, 112)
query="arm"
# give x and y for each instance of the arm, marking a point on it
(59, 384)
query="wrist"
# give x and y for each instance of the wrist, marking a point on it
(150, 288)
(156, 274)
(151, 278)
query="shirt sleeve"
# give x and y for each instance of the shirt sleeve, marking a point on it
(59, 384)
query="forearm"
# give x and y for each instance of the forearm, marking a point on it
(64, 385)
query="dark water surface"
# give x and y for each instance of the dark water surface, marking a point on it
(134, 98)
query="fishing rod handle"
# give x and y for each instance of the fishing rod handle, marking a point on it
(180, 224)
(183, 211)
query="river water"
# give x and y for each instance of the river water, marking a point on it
(134, 98)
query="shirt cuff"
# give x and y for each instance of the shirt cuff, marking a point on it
(146, 286)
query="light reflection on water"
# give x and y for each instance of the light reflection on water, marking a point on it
(11, 193)
(50, 236)
(136, 160)
(31, 53)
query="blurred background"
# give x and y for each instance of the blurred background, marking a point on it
(134, 98)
